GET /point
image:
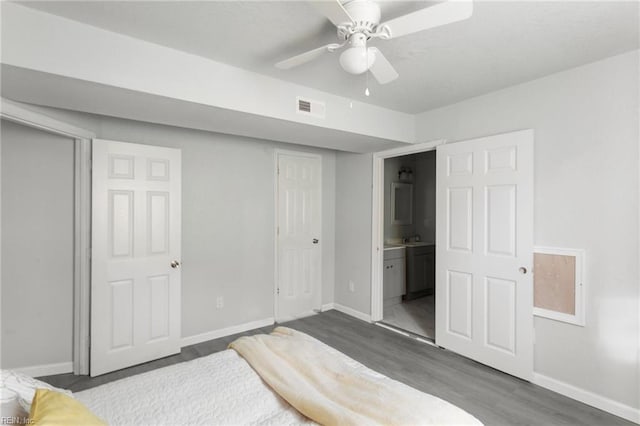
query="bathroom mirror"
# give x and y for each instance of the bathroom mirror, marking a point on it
(401, 203)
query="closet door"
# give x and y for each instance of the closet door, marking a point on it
(299, 250)
(135, 276)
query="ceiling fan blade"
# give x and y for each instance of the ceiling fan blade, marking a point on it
(333, 10)
(381, 68)
(307, 56)
(429, 17)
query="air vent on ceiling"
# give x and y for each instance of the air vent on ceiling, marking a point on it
(310, 107)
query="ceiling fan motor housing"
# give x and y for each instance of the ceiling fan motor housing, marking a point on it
(366, 16)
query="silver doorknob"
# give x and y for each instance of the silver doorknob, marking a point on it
(175, 264)
(522, 270)
(316, 241)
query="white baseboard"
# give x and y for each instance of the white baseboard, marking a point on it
(589, 398)
(352, 312)
(215, 334)
(327, 307)
(46, 369)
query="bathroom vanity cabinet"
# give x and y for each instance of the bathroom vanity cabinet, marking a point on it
(394, 283)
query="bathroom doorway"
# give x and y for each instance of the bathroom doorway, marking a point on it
(409, 212)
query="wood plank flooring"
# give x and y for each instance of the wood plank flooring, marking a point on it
(493, 397)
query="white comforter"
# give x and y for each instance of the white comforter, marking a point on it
(333, 389)
(219, 389)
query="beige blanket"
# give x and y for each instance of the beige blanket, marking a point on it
(333, 389)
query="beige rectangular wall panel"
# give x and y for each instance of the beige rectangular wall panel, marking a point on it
(555, 282)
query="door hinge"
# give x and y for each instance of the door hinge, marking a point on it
(278, 290)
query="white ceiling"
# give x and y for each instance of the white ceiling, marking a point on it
(503, 44)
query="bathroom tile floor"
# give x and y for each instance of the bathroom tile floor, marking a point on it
(415, 316)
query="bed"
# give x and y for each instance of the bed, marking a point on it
(283, 378)
(175, 395)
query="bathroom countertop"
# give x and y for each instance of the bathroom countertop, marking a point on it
(404, 245)
(394, 246)
(419, 244)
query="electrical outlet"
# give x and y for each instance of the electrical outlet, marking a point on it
(219, 302)
(352, 287)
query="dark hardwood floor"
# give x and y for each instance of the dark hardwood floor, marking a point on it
(493, 397)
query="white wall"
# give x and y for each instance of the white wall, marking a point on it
(37, 247)
(353, 231)
(228, 218)
(586, 196)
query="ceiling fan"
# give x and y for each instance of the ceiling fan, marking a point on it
(359, 20)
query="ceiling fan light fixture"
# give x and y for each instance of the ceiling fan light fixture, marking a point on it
(357, 21)
(357, 60)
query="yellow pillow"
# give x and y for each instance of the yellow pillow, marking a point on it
(55, 408)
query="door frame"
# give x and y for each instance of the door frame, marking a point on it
(377, 218)
(276, 195)
(82, 219)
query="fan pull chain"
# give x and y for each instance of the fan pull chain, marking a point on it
(366, 77)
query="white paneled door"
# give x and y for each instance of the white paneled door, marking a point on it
(135, 276)
(298, 235)
(484, 282)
